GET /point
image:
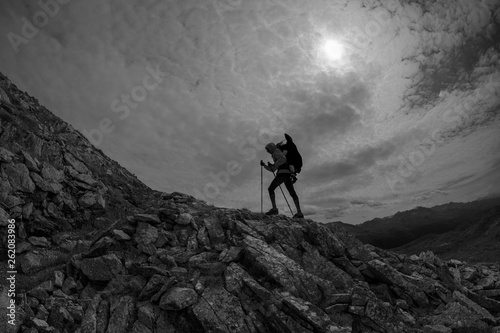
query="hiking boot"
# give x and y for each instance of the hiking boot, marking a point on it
(273, 211)
(299, 215)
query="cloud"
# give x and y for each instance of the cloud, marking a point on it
(429, 195)
(447, 53)
(357, 162)
(366, 203)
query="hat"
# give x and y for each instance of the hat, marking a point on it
(271, 147)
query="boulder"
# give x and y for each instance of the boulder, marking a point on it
(102, 268)
(234, 253)
(102, 319)
(120, 235)
(145, 233)
(139, 327)
(218, 310)
(3, 96)
(478, 310)
(19, 177)
(44, 185)
(178, 298)
(51, 174)
(92, 200)
(121, 315)
(22, 247)
(27, 210)
(31, 163)
(287, 273)
(185, 219)
(59, 317)
(100, 247)
(311, 314)
(39, 293)
(459, 318)
(146, 315)
(388, 274)
(5, 189)
(89, 320)
(66, 199)
(11, 202)
(147, 248)
(75, 163)
(154, 285)
(4, 217)
(58, 279)
(69, 286)
(40, 325)
(214, 229)
(32, 262)
(6, 155)
(39, 241)
(86, 179)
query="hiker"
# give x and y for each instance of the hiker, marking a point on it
(283, 175)
(293, 156)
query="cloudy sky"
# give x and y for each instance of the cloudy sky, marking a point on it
(186, 93)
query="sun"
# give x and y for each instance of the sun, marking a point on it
(332, 49)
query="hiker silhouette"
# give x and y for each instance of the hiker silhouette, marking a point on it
(283, 175)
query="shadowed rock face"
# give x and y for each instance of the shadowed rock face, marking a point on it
(158, 262)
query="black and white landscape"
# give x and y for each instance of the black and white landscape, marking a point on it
(130, 185)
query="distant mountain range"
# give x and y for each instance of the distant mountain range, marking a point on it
(468, 231)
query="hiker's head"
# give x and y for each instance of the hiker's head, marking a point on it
(270, 147)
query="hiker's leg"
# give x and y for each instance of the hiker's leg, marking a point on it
(277, 181)
(293, 194)
(271, 189)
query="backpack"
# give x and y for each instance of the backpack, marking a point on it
(293, 156)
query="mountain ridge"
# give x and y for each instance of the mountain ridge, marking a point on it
(475, 241)
(407, 226)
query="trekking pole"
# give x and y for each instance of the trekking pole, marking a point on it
(261, 195)
(284, 196)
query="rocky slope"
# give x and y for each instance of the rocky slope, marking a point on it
(188, 267)
(52, 178)
(93, 255)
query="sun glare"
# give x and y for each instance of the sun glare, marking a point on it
(333, 50)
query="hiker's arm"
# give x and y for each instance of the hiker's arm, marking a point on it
(268, 167)
(280, 160)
